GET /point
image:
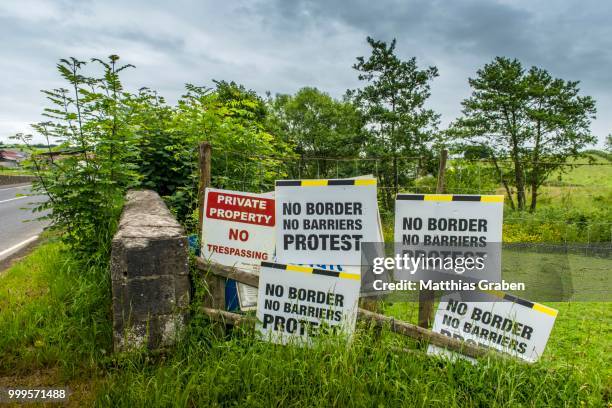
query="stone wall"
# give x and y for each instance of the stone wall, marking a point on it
(150, 274)
(6, 179)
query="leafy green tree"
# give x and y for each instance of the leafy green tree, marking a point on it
(609, 143)
(393, 104)
(318, 127)
(158, 143)
(531, 118)
(86, 177)
(245, 155)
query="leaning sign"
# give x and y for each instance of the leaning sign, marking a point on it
(325, 221)
(453, 227)
(297, 303)
(499, 321)
(239, 232)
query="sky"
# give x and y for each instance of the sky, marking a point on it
(281, 45)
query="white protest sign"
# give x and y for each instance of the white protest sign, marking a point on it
(296, 303)
(500, 321)
(453, 226)
(325, 221)
(238, 231)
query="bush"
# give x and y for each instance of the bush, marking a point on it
(86, 176)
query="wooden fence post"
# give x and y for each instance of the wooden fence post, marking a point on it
(215, 284)
(427, 297)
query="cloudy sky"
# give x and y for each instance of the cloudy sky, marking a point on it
(282, 45)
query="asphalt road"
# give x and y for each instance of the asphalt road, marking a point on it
(15, 233)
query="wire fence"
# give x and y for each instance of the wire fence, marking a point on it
(571, 214)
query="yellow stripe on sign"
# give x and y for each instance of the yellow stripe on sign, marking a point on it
(545, 309)
(438, 197)
(497, 293)
(353, 276)
(299, 268)
(313, 183)
(492, 198)
(365, 182)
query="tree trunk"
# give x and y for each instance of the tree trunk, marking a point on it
(535, 169)
(504, 182)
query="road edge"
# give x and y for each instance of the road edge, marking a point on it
(19, 254)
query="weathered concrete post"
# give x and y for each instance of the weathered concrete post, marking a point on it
(150, 274)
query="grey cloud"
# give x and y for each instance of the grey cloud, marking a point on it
(280, 45)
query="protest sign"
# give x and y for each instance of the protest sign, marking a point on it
(450, 227)
(239, 231)
(297, 303)
(499, 321)
(325, 221)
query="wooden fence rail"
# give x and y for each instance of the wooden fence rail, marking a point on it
(376, 319)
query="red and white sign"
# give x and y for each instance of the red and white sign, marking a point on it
(238, 229)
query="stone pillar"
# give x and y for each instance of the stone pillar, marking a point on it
(150, 274)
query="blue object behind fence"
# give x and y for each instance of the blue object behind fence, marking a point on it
(231, 292)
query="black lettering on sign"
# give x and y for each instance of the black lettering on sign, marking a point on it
(450, 321)
(409, 223)
(456, 307)
(271, 304)
(292, 208)
(274, 290)
(290, 224)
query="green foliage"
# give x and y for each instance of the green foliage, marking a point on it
(393, 104)
(54, 313)
(319, 128)
(86, 176)
(534, 120)
(245, 155)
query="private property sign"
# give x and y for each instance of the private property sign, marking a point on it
(325, 221)
(297, 303)
(498, 320)
(238, 229)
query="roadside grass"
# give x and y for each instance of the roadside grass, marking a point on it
(14, 171)
(54, 320)
(55, 330)
(371, 371)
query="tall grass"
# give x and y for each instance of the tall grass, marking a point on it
(243, 371)
(54, 312)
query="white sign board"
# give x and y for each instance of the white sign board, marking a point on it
(436, 225)
(500, 321)
(296, 303)
(238, 231)
(325, 221)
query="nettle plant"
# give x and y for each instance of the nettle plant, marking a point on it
(86, 176)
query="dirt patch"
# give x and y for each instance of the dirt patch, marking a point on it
(83, 391)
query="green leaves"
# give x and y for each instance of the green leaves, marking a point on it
(85, 177)
(526, 116)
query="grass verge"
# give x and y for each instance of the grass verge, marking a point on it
(55, 330)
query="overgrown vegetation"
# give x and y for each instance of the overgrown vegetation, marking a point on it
(103, 139)
(58, 321)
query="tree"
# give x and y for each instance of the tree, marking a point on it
(392, 102)
(317, 126)
(531, 118)
(86, 177)
(609, 143)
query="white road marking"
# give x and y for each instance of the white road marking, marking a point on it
(12, 188)
(13, 199)
(14, 247)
